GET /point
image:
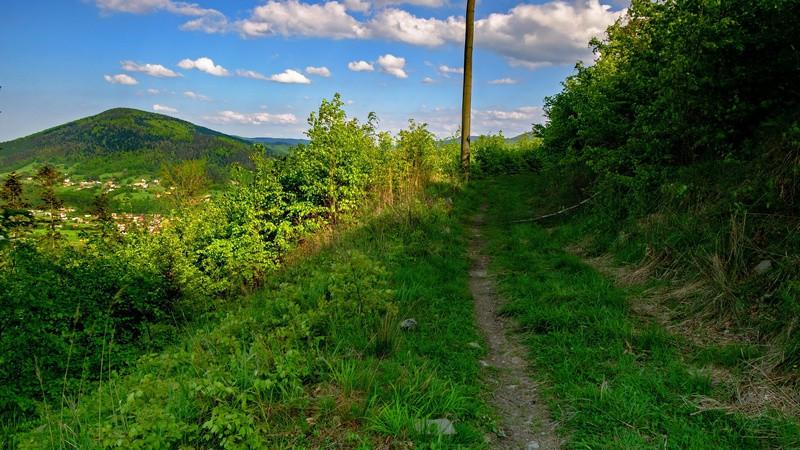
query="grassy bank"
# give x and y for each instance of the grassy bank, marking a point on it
(315, 360)
(615, 378)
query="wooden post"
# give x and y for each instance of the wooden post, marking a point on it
(466, 103)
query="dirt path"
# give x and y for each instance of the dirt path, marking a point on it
(524, 423)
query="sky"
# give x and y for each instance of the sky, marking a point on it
(259, 67)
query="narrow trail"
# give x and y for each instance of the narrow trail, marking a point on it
(524, 422)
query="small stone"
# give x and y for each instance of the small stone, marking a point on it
(763, 267)
(484, 363)
(474, 345)
(532, 445)
(408, 324)
(435, 426)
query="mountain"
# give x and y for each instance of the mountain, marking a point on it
(140, 138)
(280, 141)
(278, 146)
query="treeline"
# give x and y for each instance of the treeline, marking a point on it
(687, 130)
(71, 312)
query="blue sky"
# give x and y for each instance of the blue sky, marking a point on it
(257, 68)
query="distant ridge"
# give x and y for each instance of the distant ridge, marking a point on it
(272, 140)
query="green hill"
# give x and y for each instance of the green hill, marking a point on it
(138, 138)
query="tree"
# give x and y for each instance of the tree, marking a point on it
(11, 193)
(102, 210)
(15, 214)
(415, 144)
(48, 178)
(466, 104)
(333, 170)
(186, 180)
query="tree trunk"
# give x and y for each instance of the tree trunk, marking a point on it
(466, 104)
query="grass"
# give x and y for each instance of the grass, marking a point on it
(614, 380)
(314, 360)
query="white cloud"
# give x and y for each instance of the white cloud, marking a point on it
(204, 64)
(357, 5)
(393, 65)
(445, 121)
(154, 70)
(447, 70)
(195, 96)
(360, 66)
(227, 117)
(291, 17)
(428, 80)
(319, 71)
(121, 79)
(290, 76)
(498, 116)
(364, 5)
(552, 33)
(152, 91)
(504, 81)
(399, 25)
(530, 35)
(204, 19)
(164, 109)
(252, 74)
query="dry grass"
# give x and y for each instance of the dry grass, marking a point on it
(759, 388)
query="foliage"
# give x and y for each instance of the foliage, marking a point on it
(102, 303)
(685, 132)
(333, 171)
(495, 155)
(186, 180)
(308, 362)
(614, 378)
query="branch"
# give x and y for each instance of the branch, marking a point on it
(565, 210)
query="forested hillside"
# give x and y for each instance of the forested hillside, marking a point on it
(132, 136)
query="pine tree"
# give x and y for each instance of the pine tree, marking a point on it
(11, 192)
(48, 178)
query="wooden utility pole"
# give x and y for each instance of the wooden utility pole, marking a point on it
(466, 103)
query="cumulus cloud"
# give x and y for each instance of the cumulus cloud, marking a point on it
(428, 80)
(195, 96)
(360, 66)
(164, 109)
(204, 19)
(530, 35)
(504, 81)
(447, 70)
(552, 33)
(357, 5)
(526, 114)
(364, 5)
(121, 79)
(399, 25)
(152, 91)
(291, 17)
(393, 65)
(290, 76)
(204, 64)
(154, 70)
(227, 117)
(319, 71)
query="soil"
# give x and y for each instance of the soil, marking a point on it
(524, 422)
